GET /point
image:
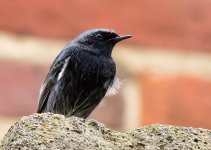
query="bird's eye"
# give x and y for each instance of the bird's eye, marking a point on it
(99, 36)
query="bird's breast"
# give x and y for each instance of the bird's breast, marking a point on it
(94, 68)
(90, 70)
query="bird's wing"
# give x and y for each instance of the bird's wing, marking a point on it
(55, 73)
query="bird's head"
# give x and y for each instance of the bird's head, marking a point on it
(100, 41)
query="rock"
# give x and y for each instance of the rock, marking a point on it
(52, 131)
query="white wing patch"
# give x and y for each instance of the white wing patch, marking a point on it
(113, 90)
(60, 75)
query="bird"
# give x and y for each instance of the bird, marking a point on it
(81, 75)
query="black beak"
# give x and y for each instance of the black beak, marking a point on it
(120, 38)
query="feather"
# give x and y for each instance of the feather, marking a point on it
(113, 89)
(49, 83)
(60, 75)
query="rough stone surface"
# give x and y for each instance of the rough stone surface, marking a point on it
(50, 131)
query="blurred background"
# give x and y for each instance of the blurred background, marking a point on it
(165, 68)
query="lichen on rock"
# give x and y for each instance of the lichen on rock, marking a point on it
(52, 131)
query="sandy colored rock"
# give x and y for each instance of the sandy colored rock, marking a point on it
(50, 131)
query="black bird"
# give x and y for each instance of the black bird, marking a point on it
(80, 75)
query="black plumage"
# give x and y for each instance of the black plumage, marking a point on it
(80, 75)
